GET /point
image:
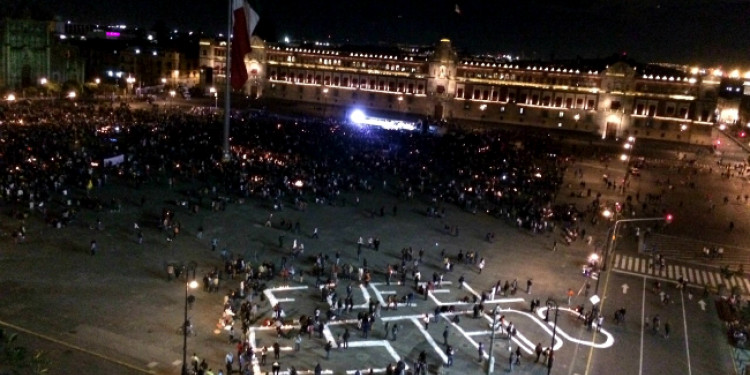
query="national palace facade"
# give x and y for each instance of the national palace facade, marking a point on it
(610, 97)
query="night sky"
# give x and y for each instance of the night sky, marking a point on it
(680, 31)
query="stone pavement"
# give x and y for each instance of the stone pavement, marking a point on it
(119, 305)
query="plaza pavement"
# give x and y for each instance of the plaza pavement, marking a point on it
(119, 305)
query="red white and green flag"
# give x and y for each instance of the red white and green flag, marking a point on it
(244, 20)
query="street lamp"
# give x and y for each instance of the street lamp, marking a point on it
(71, 95)
(612, 241)
(325, 101)
(172, 93)
(11, 97)
(130, 81)
(491, 362)
(550, 304)
(186, 323)
(212, 90)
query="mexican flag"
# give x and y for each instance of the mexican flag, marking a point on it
(244, 20)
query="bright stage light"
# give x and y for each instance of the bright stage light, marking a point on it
(357, 116)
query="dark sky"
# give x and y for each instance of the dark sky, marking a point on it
(680, 31)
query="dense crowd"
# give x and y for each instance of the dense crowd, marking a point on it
(58, 152)
(52, 157)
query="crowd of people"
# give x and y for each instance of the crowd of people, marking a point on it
(54, 158)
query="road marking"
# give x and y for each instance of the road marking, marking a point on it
(430, 340)
(608, 341)
(76, 347)
(273, 300)
(684, 321)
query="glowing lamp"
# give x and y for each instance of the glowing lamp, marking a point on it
(357, 116)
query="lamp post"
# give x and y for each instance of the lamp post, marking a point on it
(629, 146)
(612, 241)
(43, 83)
(491, 361)
(325, 101)
(172, 93)
(550, 304)
(186, 323)
(213, 92)
(130, 81)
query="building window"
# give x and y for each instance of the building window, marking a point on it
(520, 111)
(561, 114)
(615, 105)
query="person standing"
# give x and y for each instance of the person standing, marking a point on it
(529, 283)
(426, 321)
(93, 247)
(570, 295)
(394, 331)
(445, 336)
(328, 348)
(538, 350)
(275, 368)
(512, 360)
(449, 353)
(276, 350)
(481, 265)
(298, 342)
(263, 353)
(228, 360)
(318, 369)
(518, 355)
(480, 351)
(345, 337)
(667, 328)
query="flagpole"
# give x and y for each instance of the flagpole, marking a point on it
(227, 86)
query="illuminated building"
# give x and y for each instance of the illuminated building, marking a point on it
(28, 53)
(616, 100)
(612, 98)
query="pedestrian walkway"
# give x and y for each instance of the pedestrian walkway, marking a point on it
(690, 250)
(698, 276)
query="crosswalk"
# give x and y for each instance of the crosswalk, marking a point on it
(693, 275)
(691, 250)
